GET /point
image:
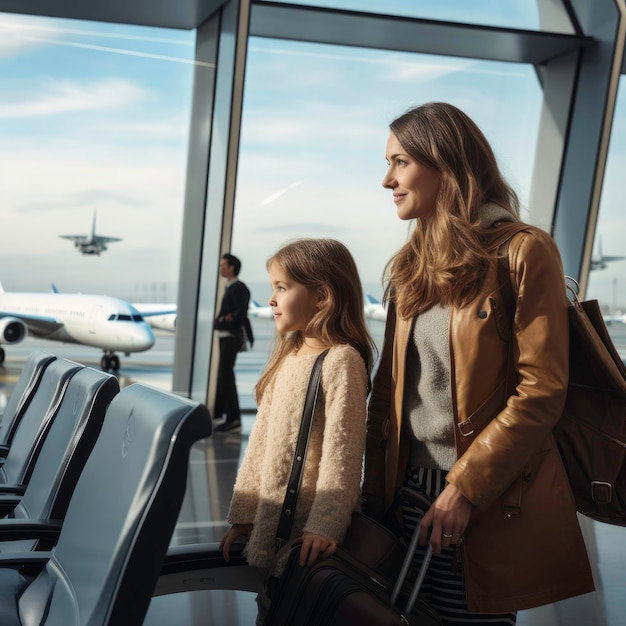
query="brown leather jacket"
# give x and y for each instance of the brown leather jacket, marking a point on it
(523, 546)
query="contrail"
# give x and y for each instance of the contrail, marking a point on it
(279, 193)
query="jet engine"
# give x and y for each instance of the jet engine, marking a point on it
(12, 330)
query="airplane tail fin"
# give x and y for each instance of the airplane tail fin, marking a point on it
(256, 304)
(371, 299)
(1, 288)
(53, 288)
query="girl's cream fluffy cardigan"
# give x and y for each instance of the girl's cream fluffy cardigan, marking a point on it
(332, 471)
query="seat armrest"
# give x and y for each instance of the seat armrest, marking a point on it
(202, 567)
(200, 556)
(21, 529)
(18, 489)
(8, 502)
(30, 563)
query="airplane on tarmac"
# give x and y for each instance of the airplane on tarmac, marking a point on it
(158, 316)
(163, 316)
(256, 310)
(375, 309)
(98, 321)
(91, 244)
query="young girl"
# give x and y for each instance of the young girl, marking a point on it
(318, 304)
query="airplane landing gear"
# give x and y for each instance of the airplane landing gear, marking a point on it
(110, 362)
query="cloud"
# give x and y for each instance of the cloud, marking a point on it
(57, 97)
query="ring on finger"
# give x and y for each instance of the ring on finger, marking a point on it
(445, 536)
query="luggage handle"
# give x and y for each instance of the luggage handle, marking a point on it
(405, 570)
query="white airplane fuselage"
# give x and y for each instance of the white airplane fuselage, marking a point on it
(99, 321)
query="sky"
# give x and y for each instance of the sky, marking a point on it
(97, 116)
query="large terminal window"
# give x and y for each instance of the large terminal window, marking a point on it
(94, 120)
(312, 151)
(511, 14)
(94, 117)
(607, 278)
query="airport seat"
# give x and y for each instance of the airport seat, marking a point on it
(119, 521)
(63, 455)
(23, 391)
(35, 424)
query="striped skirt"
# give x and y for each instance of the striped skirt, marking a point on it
(444, 584)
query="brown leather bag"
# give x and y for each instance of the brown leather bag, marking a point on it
(591, 433)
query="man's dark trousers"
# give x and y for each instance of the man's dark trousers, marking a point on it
(226, 400)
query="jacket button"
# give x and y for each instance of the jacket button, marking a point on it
(482, 314)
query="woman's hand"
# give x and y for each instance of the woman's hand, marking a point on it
(235, 531)
(447, 518)
(314, 546)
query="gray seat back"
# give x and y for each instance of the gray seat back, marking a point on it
(122, 514)
(64, 452)
(23, 391)
(36, 421)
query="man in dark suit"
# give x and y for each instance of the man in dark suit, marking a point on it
(234, 331)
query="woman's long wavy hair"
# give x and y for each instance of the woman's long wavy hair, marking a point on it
(444, 261)
(325, 267)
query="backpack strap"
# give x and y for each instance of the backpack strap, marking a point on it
(287, 513)
(499, 244)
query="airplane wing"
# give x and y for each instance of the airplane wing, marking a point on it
(154, 313)
(77, 238)
(38, 325)
(100, 239)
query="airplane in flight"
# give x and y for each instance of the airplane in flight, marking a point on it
(91, 244)
(98, 321)
(599, 260)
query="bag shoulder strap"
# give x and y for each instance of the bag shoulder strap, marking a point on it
(285, 522)
(500, 245)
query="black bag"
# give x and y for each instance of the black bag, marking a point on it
(591, 433)
(339, 590)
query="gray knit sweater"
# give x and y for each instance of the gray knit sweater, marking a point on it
(427, 401)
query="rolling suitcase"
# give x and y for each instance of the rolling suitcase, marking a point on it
(341, 591)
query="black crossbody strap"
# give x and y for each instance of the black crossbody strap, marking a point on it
(295, 478)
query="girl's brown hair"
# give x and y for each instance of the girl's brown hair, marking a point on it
(325, 267)
(444, 261)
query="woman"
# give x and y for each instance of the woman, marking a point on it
(447, 415)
